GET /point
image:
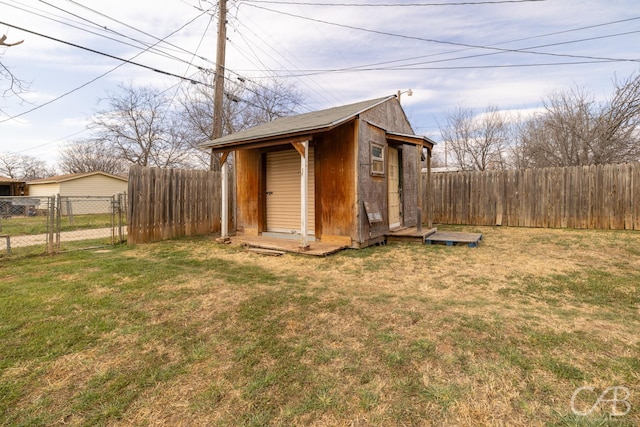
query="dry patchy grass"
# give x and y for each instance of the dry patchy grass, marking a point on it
(192, 333)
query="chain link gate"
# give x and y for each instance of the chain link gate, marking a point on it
(57, 223)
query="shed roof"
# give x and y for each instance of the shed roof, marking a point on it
(301, 124)
(69, 177)
(414, 139)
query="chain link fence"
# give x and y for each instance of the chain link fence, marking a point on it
(32, 225)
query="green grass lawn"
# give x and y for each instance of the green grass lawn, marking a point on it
(190, 332)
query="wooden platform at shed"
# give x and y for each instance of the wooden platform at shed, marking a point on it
(451, 238)
(287, 245)
(409, 235)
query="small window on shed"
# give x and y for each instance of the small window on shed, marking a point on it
(377, 159)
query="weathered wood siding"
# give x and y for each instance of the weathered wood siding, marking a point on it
(373, 125)
(335, 162)
(169, 203)
(597, 197)
(371, 188)
(250, 191)
(389, 116)
(410, 173)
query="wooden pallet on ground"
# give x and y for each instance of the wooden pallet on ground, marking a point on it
(451, 238)
(286, 245)
(410, 234)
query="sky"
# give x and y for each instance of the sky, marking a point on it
(450, 53)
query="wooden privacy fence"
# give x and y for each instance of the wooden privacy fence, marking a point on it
(598, 197)
(169, 203)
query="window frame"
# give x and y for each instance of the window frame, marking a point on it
(377, 160)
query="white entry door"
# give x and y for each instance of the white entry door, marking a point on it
(283, 192)
(394, 189)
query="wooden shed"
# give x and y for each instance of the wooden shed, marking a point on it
(346, 175)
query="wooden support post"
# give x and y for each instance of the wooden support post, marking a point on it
(224, 214)
(427, 194)
(419, 186)
(304, 193)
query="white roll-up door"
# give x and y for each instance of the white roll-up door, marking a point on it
(283, 192)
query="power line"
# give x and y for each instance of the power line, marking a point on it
(540, 46)
(355, 68)
(54, 141)
(127, 61)
(466, 3)
(163, 40)
(177, 86)
(106, 29)
(77, 27)
(271, 72)
(468, 45)
(194, 55)
(124, 61)
(278, 51)
(571, 30)
(411, 66)
(60, 97)
(469, 67)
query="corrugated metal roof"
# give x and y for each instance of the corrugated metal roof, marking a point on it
(297, 125)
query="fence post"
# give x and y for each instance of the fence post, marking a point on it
(119, 206)
(114, 208)
(53, 227)
(119, 215)
(69, 211)
(58, 216)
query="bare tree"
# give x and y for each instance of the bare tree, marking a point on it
(267, 102)
(576, 130)
(12, 85)
(144, 126)
(23, 167)
(560, 136)
(476, 141)
(141, 127)
(246, 104)
(616, 136)
(90, 155)
(438, 159)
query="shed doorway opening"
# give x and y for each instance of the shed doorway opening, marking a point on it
(394, 185)
(283, 193)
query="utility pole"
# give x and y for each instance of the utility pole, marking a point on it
(218, 80)
(218, 96)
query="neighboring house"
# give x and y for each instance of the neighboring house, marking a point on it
(357, 167)
(11, 187)
(80, 185)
